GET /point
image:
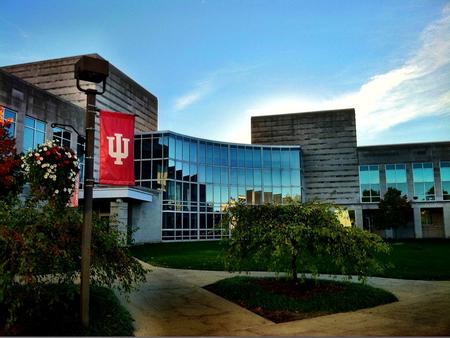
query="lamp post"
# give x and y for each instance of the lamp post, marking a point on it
(92, 70)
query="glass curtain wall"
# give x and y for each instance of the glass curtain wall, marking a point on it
(199, 178)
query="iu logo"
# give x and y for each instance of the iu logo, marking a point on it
(118, 155)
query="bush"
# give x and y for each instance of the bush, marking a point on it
(296, 236)
(40, 244)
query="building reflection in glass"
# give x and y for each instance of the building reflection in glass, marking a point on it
(198, 179)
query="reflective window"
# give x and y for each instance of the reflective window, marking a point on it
(137, 148)
(369, 178)
(396, 177)
(147, 148)
(186, 148)
(285, 158)
(241, 156)
(157, 148)
(171, 146)
(80, 155)
(233, 156)
(267, 159)
(276, 157)
(224, 155)
(179, 148)
(423, 178)
(445, 180)
(209, 153)
(34, 133)
(193, 151)
(9, 115)
(62, 137)
(202, 152)
(295, 159)
(257, 157)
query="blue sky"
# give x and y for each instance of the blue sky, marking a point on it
(213, 64)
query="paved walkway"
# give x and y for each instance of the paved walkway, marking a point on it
(173, 303)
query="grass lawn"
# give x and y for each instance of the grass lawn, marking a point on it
(108, 317)
(413, 259)
(182, 255)
(281, 301)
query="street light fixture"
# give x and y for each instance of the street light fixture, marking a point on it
(94, 70)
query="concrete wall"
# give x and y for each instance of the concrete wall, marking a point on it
(122, 93)
(26, 99)
(146, 220)
(328, 142)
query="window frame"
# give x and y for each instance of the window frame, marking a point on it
(34, 130)
(423, 182)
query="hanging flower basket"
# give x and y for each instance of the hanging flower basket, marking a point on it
(51, 170)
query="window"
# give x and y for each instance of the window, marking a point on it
(11, 116)
(445, 180)
(423, 182)
(396, 177)
(369, 178)
(80, 156)
(62, 137)
(34, 133)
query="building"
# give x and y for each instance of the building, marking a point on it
(47, 94)
(199, 177)
(337, 170)
(183, 184)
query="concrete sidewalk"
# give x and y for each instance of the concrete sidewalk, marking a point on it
(173, 303)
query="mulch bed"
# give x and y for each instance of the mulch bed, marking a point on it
(300, 291)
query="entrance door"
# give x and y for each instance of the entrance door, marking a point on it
(432, 220)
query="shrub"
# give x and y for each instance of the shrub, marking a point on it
(40, 244)
(296, 236)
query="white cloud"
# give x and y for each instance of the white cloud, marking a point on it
(211, 82)
(420, 87)
(190, 98)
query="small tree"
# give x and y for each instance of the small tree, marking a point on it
(40, 239)
(11, 177)
(394, 210)
(296, 237)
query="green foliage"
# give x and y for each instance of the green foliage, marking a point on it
(294, 237)
(11, 175)
(394, 210)
(40, 244)
(51, 171)
(62, 318)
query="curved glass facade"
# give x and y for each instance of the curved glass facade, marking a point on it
(199, 177)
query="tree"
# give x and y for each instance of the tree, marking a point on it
(40, 238)
(298, 237)
(11, 177)
(394, 210)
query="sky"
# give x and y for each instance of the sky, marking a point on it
(213, 64)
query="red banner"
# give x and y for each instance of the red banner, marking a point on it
(116, 148)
